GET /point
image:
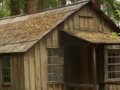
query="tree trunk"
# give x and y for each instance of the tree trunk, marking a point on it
(30, 6)
(15, 10)
(41, 4)
(97, 2)
(63, 2)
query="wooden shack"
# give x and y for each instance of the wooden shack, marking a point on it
(67, 48)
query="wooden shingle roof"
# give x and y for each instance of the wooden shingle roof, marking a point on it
(18, 34)
(94, 37)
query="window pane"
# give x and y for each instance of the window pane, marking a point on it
(58, 52)
(50, 77)
(58, 69)
(58, 60)
(114, 64)
(117, 60)
(55, 65)
(114, 75)
(6, 69)
(50, 69)
(110, 60)
(58, 77)
(50, 52)
(6, 64)
(50, 60)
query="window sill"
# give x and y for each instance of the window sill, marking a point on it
(112, 82)
(56, 83)
(6, 84)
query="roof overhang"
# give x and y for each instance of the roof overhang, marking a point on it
(94, 37)
(16, 47)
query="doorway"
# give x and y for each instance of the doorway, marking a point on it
(78, 67)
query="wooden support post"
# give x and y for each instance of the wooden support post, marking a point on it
(94, 69)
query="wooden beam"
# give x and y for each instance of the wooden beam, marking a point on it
(86, 16)
(94, 69)
(111, 83)
(80, 85)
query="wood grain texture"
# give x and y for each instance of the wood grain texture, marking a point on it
(55, 39)
(76, 21)
(26, 72)
(43, 51)
(37, 67)
(71, 23)
(32, 68)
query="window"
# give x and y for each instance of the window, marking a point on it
(55, 65)
(6, 69)
(113, 64)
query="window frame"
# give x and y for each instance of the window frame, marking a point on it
(6, 67)
(110, 62)
(54, 65)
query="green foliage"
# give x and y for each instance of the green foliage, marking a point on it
(111, 8)
(115, 34)
(52, 3)
(4, 8)
(117, 15)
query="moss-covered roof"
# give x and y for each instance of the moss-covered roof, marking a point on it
(18, 34)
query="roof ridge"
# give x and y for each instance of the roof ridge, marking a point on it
(78, 2)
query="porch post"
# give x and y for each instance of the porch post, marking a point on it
(94, 69)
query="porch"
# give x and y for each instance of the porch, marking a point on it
(85, 63)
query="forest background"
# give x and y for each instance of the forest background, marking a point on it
(18, 7)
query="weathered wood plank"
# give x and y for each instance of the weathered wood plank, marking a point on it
(18, 59)
(71, 25)
(118, 87)
(94, 69)
(76, 21)
(0, 72)
(50, 87)
(60, 87)
(109, 87)
(37, 67)
(81, 19)
(43, 52)
(104, 26)
(55, 39)
(15, 73)
(50, 40)
(26, 72)
(90, 20)
(114, 87)
(86, 19)
(100, 25)
(80, 85)
(96, 22)
(66, 26)
(105, 64)
(32, 68)
(21, 58)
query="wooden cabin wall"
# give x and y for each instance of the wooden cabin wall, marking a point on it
(87, 19)
(17, 76)
(35, 64)
(114, 85)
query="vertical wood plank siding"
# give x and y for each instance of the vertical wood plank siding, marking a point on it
(35, 64)
(114, 85)
(17, 73)
(29, 70)
(87, 19)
